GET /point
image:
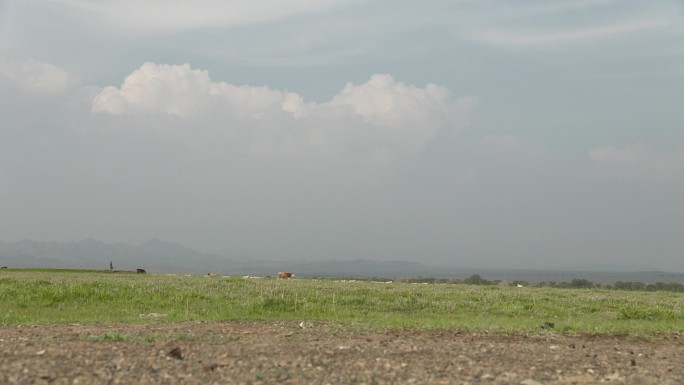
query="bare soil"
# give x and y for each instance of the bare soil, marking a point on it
(293, 353)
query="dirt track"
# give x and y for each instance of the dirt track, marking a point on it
(286, 353)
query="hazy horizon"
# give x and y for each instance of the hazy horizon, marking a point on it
(485, 134)
(171, 249)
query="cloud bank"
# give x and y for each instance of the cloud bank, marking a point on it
(379, 116)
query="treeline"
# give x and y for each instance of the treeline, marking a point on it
(619, 285)
(576, 283)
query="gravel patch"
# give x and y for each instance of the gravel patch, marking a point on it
(307, 353)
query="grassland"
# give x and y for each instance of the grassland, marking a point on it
(67, 296)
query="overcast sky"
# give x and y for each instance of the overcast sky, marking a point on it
(480, 133)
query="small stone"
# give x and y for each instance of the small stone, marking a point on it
(224, 360)
(530, 381)
(613, 377)
(641, 380)
(581, 379)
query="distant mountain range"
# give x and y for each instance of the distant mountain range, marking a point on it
(92, 254)
(165, 257)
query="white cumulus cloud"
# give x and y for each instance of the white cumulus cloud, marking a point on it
(35, 77)
(182, 91)
(375, 117)
(384, 101)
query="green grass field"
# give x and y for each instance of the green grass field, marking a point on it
(69, 296)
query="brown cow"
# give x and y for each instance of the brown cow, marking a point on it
(285, 275)
(140, 271)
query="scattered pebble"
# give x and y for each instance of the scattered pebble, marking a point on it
(530, 381)
(257, 353)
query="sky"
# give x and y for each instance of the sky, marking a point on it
(474, 133)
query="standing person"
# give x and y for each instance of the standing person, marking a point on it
(111, 266)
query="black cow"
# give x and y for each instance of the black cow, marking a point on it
(140, 271)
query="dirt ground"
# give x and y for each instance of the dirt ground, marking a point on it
(294, 353)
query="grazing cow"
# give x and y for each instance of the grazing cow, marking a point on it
(140, 271)
(212, 275)
(4, 267)
(285, 275)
